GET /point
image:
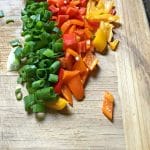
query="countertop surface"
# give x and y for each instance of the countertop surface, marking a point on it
(147, 8)
(126, 73)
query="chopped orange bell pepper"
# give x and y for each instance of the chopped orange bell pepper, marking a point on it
(67, 62)
(68, 75)
(87, 25)
(74, 2)
(88, 33)
(90, 60)
(80, 66)
(108, 105)
(72, 52)
(77, 22)
(65, 26)
(67, 94)
(84, 71)
(84, 77)
(72, 29)
(76, 87)
(80, 33)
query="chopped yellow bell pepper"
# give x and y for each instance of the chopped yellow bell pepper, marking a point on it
(113, 45)
(59, 104)
(100, 40)
(109, 31)
(101, 11)
(103, 17)
(108, 6)
(100, 5)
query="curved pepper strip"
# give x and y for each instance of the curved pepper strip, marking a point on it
(65, 26)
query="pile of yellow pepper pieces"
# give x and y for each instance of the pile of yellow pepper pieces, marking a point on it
(104, 12)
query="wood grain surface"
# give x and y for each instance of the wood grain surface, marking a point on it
(125, 73)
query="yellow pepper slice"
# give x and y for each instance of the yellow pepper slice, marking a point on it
(113, 45)
(108, 6)
(59, 104)
(109, 31)
(100, 40)
(100, 5)
(101, 11)
(104, 17)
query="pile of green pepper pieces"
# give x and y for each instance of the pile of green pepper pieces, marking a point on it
(38, 65)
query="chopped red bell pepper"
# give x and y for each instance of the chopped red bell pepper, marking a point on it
(82, 47)
(70, 40)
(58, 85)
(94, 24)
(72, 11)
(60, 3)
(61, 19)
(80, 33)
(54, 18)
(83, 3)
(62, 10)
(82, 10)
(52, 2)
(53, 8)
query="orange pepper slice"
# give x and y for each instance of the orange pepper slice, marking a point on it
(80, 66)
(72, 29)
(90, 60)
(65, 26)
(76, 87)
(88, 33)
(108, 105)
(72, 52)
(67, 94)
(77, 22)
(68, 75)
(74, 2)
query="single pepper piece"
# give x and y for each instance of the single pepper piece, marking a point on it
(108, 105)
(76, 87)
(59, 104)
(100, 40)
(67, 94)
(113, 45)
(58, 85)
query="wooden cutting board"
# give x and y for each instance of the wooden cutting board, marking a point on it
(126, 73)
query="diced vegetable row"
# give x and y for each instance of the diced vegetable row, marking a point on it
(38, 57)
(58, 53)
